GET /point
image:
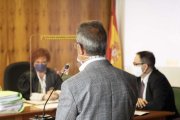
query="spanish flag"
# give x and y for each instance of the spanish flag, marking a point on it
(114, 45)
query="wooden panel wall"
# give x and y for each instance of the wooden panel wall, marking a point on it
(22, 19)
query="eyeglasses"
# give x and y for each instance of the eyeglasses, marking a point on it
(77, 43)
(136, 64)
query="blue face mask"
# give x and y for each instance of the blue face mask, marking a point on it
(40, 67)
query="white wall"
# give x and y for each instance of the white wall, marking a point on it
(154, 25)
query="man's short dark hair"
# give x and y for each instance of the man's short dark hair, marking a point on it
(147, 58)
(92, 36)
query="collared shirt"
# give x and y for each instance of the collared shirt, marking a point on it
(145, 81)
(90, 60)
(42, 83)
(39, 96)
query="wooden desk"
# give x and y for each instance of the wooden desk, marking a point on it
(154, 115)
(28, 112)
(31, 111)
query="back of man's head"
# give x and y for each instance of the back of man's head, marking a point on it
(92, 36)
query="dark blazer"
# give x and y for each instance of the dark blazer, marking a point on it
(24, 82)
(159, 93)
(99, 92)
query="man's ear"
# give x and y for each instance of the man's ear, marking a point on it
(80, 49)
(145, 68)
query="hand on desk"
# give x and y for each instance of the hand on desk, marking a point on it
(54, 95)
(141, 103)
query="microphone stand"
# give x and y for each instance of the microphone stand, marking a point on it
(50, 117)
(43, 116)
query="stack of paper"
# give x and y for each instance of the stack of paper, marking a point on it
(137, 112)
(10, 102)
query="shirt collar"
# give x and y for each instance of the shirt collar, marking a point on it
(42, 83)
(90, 60)
(145, 79)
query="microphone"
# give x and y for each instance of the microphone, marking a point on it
(48, 117)
(66, 68)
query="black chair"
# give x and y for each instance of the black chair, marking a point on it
(12, 73)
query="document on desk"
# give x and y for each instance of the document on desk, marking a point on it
(48, 106)
(40, 102)
(138, 112)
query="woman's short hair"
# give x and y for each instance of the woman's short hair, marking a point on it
(40, 52)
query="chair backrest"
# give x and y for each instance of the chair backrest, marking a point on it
(12, 73)
(176, 91)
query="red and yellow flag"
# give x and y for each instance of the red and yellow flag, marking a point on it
(114, 46)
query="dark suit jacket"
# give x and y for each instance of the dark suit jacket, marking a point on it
(99, 92)
(24, 82)
(159, 93)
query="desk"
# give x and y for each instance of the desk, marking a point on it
(30, 111)
(154, 115)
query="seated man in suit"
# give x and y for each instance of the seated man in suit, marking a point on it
(155, 92)
(99, 91)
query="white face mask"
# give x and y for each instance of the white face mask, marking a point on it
(137, 71)
(79, 61)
